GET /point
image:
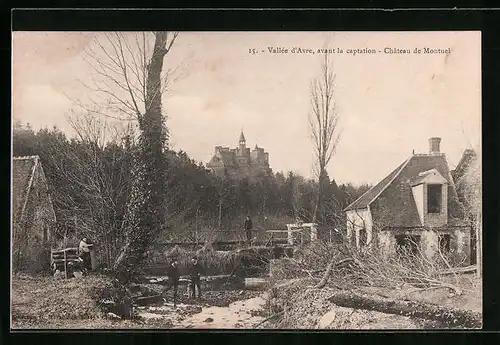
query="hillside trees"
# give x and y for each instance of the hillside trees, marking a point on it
(90, 183)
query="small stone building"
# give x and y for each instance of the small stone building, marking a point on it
(415, 207)
(32, 213)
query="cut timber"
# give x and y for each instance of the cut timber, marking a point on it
(256, 283)
(449, 316)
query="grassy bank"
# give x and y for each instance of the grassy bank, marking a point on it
(42, 301)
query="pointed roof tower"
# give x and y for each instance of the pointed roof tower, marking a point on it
(242, 137)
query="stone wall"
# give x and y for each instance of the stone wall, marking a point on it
(429, 241)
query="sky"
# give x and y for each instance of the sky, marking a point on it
(389, 104)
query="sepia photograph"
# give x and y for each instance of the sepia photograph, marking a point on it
(246, 180)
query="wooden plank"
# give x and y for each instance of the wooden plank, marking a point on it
(66, 260)
(256, 283)
(285, 231)
(65, 266)
(468, 269)
(148, 299)
(74, 258)
(61, 251)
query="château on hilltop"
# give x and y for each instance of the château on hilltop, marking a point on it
(240, 160)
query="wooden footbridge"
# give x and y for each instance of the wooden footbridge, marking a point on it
(295, 234)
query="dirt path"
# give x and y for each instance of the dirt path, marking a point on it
(239, 314)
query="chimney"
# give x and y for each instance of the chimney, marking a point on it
(434, 145)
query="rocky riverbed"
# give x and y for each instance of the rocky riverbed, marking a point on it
(226, 310)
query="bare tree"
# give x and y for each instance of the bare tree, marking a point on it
(121, 64)
(98, 170)
(129, 81)
(323, 124)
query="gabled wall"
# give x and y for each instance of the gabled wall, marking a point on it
(418, 195)
(359, 219)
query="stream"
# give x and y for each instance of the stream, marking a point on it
(239, 314)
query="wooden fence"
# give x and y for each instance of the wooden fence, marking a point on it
(61, 259)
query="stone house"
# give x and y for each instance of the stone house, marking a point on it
(240, 160)
(33, 216)
(416, 207)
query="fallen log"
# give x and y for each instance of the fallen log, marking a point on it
(147, 300)
(448, 316)
(329, 269)
(468, 269)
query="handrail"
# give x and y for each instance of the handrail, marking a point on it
(55, 251)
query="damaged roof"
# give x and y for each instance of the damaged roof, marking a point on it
(394, 192)
(364, 200)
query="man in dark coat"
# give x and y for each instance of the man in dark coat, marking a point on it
(173, 275)
(248, 228)
(195, 271)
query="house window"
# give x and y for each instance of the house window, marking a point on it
(407, 244)
(434, 192)
(362, 237)
(444, 243)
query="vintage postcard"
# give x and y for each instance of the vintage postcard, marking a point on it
(251, 180)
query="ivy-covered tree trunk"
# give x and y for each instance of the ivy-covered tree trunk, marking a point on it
(145, 217)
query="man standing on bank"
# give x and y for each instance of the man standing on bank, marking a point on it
(84, 252)
(195, 271)
(248, 228)
(173, 275)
